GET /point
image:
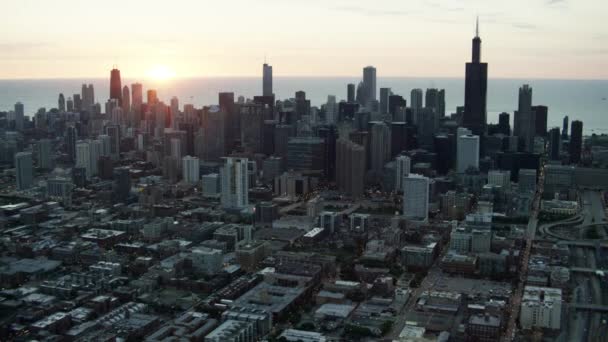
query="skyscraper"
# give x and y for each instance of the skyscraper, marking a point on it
(416, 103)
(190, 169)
(235, 183)
(565, 128)
(504, 125)
(468, 152)
(71, 136)
(524, 119)
(24, 170)
(576, 141)
(137, 99)
(126, 99)
(19, 116)
(331, 110)
(267, 80)
(350, 92)
(369, 84)
(88, 97)
(122, 183)
(384, 96)
(475, 90)
(350, 167)
(152, 97)
(403, 166)
(115, 85)
(380, 146)
(555, 143)
(435, 99)
(61, 103)
(416, 197)
(83, 157)
(44, 154)
(540, 120)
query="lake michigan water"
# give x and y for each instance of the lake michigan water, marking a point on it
(579, 99)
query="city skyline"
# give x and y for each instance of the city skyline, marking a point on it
(193, 40)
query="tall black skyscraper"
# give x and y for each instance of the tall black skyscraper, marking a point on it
(555, 142)
(350, 92)
(267, 80)
(540, 120)
(115, 85)
(504, 126)
(576, 141)
(71, 135)
(330, 135)
(475, 89)
(565, 128)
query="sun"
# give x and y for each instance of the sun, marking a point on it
(161, 73)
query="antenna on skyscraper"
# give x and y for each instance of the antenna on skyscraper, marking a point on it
(477, 27)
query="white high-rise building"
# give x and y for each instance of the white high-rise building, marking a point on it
(416, 197)
(24, 170)
(235, 183)
(190, 169)
(83, 157)
(331, 110)
(541, 307)
(403, 167)
(468, 152)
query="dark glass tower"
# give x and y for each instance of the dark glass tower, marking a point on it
(475, 89)
(115, 85)
(576, 141)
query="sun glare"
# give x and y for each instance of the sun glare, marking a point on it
(161, 72)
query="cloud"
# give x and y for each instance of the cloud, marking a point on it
(371, 12)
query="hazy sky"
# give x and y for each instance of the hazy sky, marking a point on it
(521, 38)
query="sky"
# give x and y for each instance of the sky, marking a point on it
(561, 39)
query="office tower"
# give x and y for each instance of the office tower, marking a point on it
(232, 120)
(115, 86)
(555, 143)
(235, 183)
(190, 169)
(350, 167)
(267, 80)
(504, 127)
(500, 178)
(61, 103)
(126, 99)
(331, 110)
(416, 103)
(305, 153)
(540, 120)
(398, 137)
(576, 141)
(88, 97)
(444, 148)
(213, 134)
(95, 147)
(71, 136)
(524, 119)
(24, 170)
(152, 97)
(83, 157)
(468, 152)
(360, 94)
(565, 128)
(77, 103)
(137, 99)
(329, 134)
(19, 116)
(114, 132)
(402, 167)
(385, 93)
(45, 155)
(252, 126)
(435, 99)
(475, 90)
(350, 92)
(380, 146)
(396, 104)
(527, 180)
(122, 184)
(416, 197)
(302, 105)
(176, 148)
(369, 84)
(69, 105)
